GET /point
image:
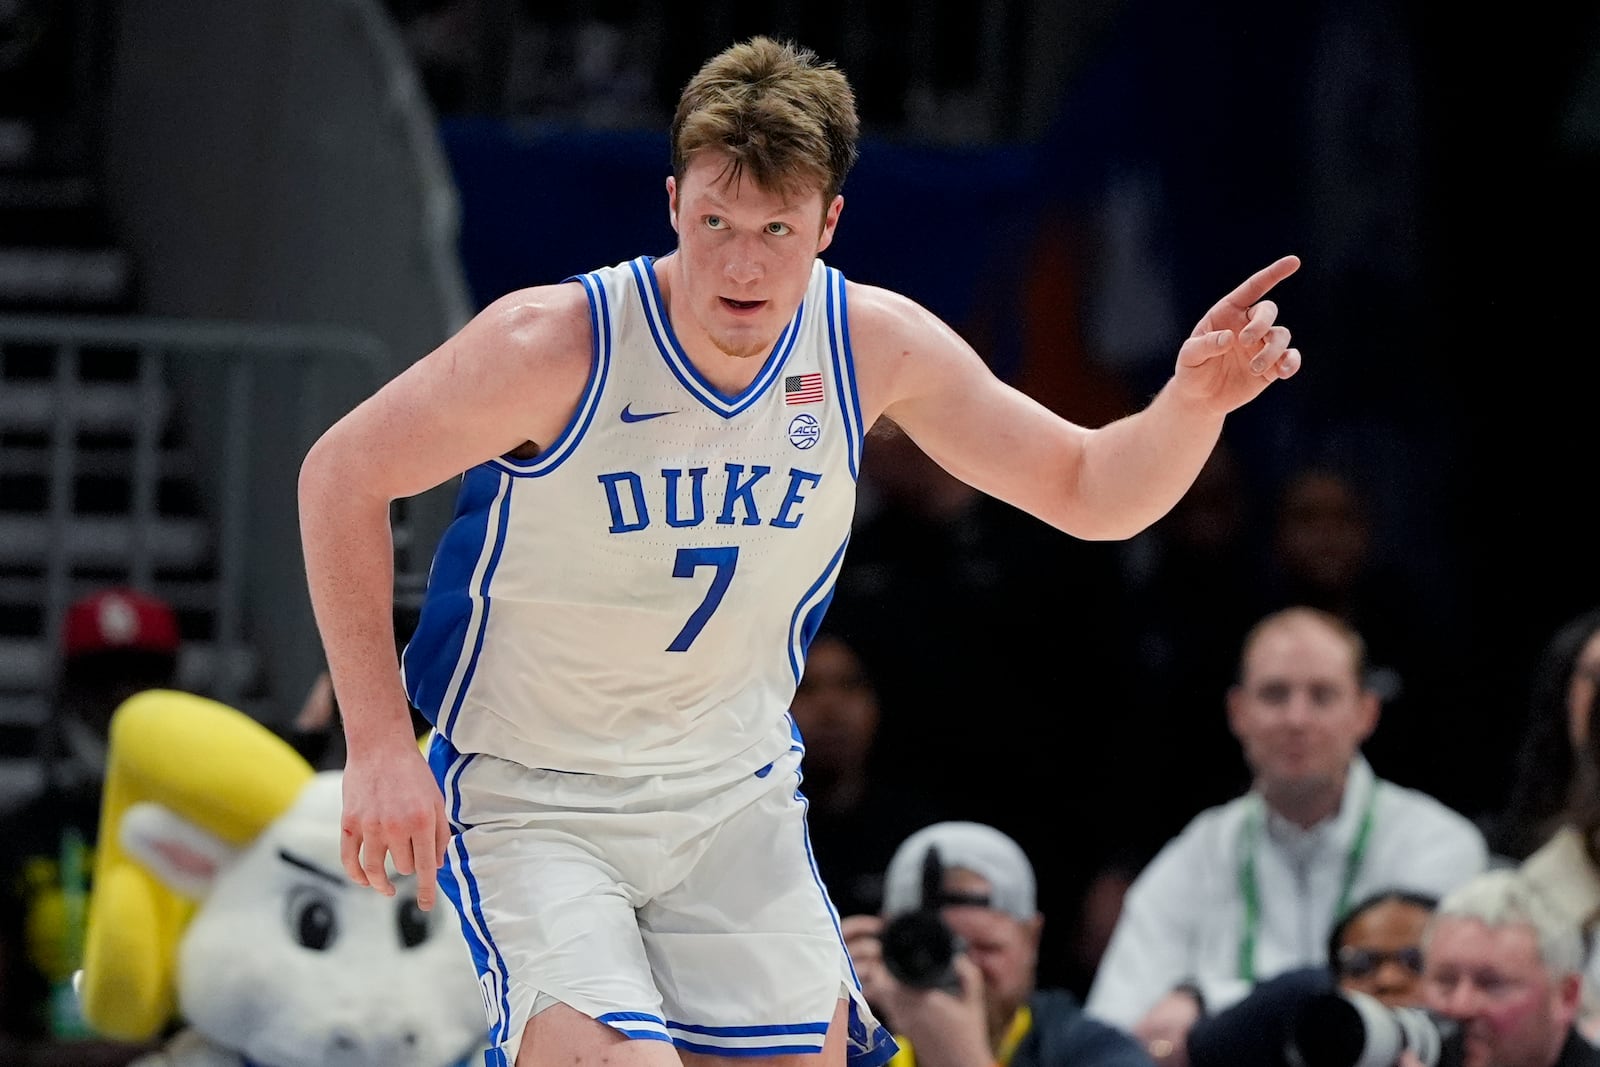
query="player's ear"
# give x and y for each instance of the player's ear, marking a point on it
(830, 221)
(672, 202)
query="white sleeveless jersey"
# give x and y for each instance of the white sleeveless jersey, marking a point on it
(638, 598)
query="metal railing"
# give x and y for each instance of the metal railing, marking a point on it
(229, 409)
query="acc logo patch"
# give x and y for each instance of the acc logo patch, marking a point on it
(803, 431)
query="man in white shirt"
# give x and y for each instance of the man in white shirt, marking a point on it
(1252, 888)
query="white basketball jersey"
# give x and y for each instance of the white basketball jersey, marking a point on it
(638, 598)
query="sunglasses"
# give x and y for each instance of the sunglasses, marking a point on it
(1364, 962)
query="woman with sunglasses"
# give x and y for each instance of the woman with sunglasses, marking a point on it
(1376, 948)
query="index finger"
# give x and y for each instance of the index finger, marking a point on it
(1261, 282)
(422, 848)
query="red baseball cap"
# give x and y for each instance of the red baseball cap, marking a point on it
(120, 619)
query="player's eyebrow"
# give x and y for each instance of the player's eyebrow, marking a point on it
(717, 204)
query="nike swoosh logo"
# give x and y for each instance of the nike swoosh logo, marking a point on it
(644, 416)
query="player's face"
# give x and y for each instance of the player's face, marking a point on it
(745, 255)
(1513, 1012)
(1299, 710)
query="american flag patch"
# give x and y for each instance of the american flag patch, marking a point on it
(802, 388)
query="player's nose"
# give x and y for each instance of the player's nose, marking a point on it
(743, 265)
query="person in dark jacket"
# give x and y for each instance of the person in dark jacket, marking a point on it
(950, 963)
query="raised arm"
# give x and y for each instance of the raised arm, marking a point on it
(1104, 483)
(511, 376)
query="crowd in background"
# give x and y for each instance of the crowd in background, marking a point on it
(959, 677)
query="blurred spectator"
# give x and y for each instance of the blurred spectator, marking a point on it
(1253, 887)
(999, 1015)
(1375, 949)
(1566, 867)
(1324, 555)
(114, 643)
(1099, 907)
(1503, 963)
(976, 620)
(1555, 729)
(854, 819)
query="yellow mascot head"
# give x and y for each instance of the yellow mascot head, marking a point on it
(218, 768)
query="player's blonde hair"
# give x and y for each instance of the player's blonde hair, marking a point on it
(780, 114)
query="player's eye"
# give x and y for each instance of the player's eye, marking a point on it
(715, 222)
(778, 229)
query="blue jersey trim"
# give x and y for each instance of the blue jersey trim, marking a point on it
(599, 368)
(764, 1050)
(678, 361)
(844, 369)
(750, 1031)
(636, 1024)
(447, 763)
(442, 655)
(452, 611)
(807, 617)
(485, 954)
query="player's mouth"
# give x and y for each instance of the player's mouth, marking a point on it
(743, 307)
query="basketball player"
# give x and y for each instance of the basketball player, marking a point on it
(660, 466)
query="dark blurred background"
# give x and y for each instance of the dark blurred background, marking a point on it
(220, 225)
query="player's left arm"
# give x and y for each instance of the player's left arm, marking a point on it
(1101, 484)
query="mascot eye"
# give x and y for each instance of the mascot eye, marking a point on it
(311, 918)
(414, 925)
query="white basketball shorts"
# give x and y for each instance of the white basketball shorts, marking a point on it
(680, 908)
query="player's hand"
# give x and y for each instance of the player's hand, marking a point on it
(393, 811)
(1237, 348)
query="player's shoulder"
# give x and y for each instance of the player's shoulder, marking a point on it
(875, 305)
(542, 320)
(560, 303)
(881, 318)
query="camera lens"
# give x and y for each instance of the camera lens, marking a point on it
(918, 949)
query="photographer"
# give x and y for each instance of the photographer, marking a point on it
(951, 963)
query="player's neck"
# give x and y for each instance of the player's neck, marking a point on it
(731, 374)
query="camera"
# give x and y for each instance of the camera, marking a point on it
(1350, 1029)
(918, 948)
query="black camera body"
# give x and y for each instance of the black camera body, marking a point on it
(1350, 1029)
(918, 948)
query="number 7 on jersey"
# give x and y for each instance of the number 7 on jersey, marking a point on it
(690, 560)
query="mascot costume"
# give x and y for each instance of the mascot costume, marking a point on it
(221, 911)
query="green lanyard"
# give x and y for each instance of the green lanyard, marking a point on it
(1251, 892)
